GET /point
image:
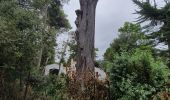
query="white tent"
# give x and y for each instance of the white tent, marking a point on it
(54, 66)
(101, 73)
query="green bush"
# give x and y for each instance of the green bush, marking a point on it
(52, 87)
(137, 75)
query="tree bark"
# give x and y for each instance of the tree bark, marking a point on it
(43, 13)
(85, 34)
(168, 42)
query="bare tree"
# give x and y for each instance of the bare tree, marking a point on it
(85, 34)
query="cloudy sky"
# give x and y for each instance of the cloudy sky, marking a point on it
(110, 16)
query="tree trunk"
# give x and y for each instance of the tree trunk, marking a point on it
(43, 13)
(168, 41)
(85, 33)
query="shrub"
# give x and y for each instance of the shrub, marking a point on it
(137, 75)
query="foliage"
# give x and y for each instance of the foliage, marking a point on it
(134, 70)
(130, 37)
(26, 38)
(157, 17)
(137, 75)
(28, 31)
(51, 87)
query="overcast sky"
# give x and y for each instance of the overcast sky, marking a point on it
(110, 16)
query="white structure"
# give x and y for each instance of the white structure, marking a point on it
(72, 68)
(101, 73)
(54, 66)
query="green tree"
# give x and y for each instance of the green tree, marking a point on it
(130, 37)
(137, 75)
(25, 37)
(156, 16)
(135, 72)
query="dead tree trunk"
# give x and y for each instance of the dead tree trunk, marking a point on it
(85, 34)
